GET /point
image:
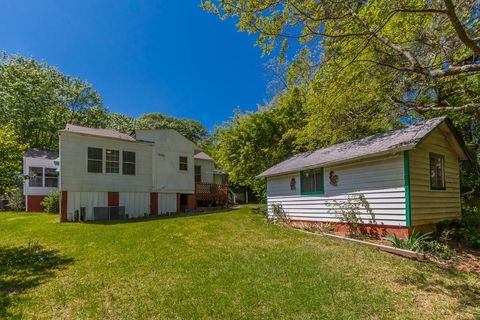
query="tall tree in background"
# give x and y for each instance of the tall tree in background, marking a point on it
(251, 142)
(190, 129)
(11, 154)
(37, 100)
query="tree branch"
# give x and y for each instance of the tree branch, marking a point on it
(457, 25)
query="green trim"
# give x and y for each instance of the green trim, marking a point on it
(266, 194)
(406, 172)
(317, 170)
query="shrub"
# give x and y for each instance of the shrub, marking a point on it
(422, 243)
(51, 202)
(15, 200)
(278, 214)
(350, 212)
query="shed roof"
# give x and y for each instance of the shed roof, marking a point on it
(98, 132)
(202, 156)
(388, 142)
(41, 154)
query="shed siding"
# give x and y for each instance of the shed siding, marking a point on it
(431, 206)
(380, 180)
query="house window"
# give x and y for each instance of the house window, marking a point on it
(51, 178)
(112, 161)
(35, 177)
(311, 181)
(95, 160)
(198, 174)
(128, 166)
(437, 171)
(183, 163)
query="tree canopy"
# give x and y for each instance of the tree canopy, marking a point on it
(11, 153)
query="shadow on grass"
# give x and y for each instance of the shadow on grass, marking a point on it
(160, 217)
(23, 268)
(451, 283)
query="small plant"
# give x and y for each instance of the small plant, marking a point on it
(350, 212)
(51, 202)
(15, 200)
(423, 243)
(414, 241)
(278, 214)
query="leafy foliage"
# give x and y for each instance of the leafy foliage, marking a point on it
(350, 211)
(251, 142)
(38, 100)
(15, 200)
(11, 153)
(279, 215)
(422, 243)
(51, 202)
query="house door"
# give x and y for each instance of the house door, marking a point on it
(198, 174)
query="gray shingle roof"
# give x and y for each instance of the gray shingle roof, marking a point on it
(98, 132)
(392, 141)
(43, 154)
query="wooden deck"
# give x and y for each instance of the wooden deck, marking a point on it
(211, 192)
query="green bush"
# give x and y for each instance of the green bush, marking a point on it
(466, 230)
(15, 200)
(51, 202)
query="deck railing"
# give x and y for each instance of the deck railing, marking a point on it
(211, 191)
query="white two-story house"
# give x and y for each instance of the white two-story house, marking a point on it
(146, 173)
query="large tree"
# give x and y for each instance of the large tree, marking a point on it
(431, 48)
(11, 153)
(190, 129)
(37, 100)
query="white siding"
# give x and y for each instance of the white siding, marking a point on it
(75, 200)
(73, 165)
(207, 167)
(166, 174)
(380, 180)
(137, 204)
(167, 202)
(39, 163)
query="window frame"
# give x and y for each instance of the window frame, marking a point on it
(45, 177)
(129, 163)
(312, 171)
(112, 161)
(444, 180)
(180, 163)
(36, 177)
(98, 160)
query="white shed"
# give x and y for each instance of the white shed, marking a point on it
(410, 177)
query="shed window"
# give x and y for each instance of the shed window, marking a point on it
(128, 166)
(51, 178)
(112, 161)
(198, 174)
(437, 171)
(183, 163)
(95, 160)
(312, 181)
(35, 177)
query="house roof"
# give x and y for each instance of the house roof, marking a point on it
(202, 156)
(383, 143)
(41, 154)
(98, 132)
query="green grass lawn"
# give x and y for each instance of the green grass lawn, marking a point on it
(228, 264)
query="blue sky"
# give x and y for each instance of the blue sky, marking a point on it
(142, 56)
